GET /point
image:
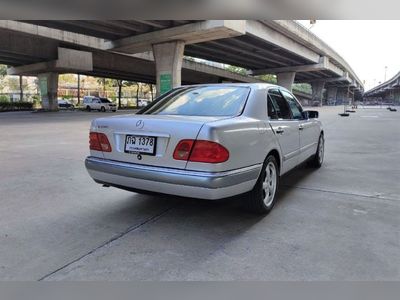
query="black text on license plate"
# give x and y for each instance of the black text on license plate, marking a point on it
(140, 144)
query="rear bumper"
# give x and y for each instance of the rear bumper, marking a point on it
(194, 184)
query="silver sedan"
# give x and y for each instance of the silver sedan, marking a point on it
(209, 142)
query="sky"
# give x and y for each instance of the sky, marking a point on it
(367, 46)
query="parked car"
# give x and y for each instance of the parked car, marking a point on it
(143, 102)
(208, 142)
(99, 103)
(63, 103)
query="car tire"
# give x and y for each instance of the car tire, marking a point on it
(318, 158)
(114, 110)
(88, 108)
(261, 199)
(103, 109)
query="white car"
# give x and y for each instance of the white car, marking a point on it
(98, 103)
(208, 142)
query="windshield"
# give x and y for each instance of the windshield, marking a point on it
(202, 101)
(105, 100)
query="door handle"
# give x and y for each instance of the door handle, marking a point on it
(279, 130)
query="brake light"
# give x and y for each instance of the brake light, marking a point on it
(99, 142)
(182, 150)
(201, 151)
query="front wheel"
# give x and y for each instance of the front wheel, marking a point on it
(262, 197)
(103, 109)
(318, 158)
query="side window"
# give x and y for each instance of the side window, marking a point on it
(280, 105)
(272, 114)
(295, 107)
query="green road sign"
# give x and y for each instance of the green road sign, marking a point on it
(43, 86)
(165, 83)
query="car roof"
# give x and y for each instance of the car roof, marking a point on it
(255, 85)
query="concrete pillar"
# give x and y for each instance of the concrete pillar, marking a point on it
(341, 96)
(286, 79)
(48, 84)
(317, 91)
(168, 58)
(331, 95)
(397, 96)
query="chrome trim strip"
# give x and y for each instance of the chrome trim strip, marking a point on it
(291, 155)
(308, 146)
(174, 176)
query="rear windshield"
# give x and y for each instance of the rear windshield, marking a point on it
(201, 101)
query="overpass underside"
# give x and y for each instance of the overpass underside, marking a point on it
(388, 92)
(112, 49)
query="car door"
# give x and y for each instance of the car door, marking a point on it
(308, 128)
(96, 103)
(285, 128)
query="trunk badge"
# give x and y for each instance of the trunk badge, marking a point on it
(139, 124)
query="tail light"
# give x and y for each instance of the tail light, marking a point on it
(201, 151)
(99, 142)
(182, 150)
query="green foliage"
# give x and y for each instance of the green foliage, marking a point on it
(237, 70)
(4, 98)
(302, 87)
(6, 106)
(267, 78)
(3, 70)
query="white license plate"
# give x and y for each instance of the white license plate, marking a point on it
(140, 144)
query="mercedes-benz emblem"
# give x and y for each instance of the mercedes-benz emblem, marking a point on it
(139, 124)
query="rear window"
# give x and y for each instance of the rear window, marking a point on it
(202, 101)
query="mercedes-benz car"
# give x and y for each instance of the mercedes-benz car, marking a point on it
(209, 142)
(98, 103)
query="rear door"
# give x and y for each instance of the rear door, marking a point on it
(308, 128)
(285, 127)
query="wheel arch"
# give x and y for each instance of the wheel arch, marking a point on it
(277, 156)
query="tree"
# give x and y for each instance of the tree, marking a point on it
(270, 78)
(3, 70)
(3, 73)
(237, 70)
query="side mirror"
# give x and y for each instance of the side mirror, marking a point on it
(310, 114)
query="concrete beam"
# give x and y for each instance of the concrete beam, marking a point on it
(262, 31)
(69, 60)
(344, 78)
(300, 34)
(323, 64)
(189, 33)
(50, 33)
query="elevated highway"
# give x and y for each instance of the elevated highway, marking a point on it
(111, 49)
(389, 91)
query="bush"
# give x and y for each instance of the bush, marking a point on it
(7, 106)
(4, 98)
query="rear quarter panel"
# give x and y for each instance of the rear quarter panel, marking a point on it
(248, 141)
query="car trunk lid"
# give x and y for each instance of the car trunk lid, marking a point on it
(167, 131)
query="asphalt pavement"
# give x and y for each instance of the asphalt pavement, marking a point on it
(340, 222)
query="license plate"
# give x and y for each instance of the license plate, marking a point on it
(140, 144)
